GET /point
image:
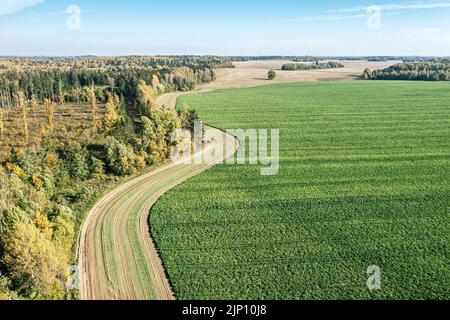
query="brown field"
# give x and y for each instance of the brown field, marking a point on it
(254, 73)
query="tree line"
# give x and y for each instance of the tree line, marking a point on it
(316, 65)
(422, 71)
(68, 80)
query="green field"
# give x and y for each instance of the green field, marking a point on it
(364, 180)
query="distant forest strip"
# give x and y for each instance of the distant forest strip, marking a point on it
(419, 71)
(343, 58)
(338, 58)
(316, 65)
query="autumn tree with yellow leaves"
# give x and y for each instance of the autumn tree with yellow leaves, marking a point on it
(155, 82)
(111, 116)
(50, 114)
(146, 98)
(22, 105)
(33, 261)
(34, 107)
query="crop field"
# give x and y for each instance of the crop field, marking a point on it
(364, 181)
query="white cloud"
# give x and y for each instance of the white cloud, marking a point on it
(13, 6)
(398, 6)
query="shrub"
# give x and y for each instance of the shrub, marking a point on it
(96, 168)
(271, 75)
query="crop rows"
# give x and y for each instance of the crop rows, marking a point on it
(364, 180)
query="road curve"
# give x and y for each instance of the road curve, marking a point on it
(117, 257)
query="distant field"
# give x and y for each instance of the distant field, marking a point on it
(364, 181)
(254, 73)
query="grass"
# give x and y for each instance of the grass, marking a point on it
(364, 180)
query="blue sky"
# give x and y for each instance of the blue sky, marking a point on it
(228, 27)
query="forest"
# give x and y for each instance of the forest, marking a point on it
(437, 70)
(316, 65)
(67, 80)
(70, 128)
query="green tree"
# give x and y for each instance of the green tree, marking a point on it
(11, 217)
(271, 75)
(63, 229)
(188, 118)
(120, 157)
(367, 74)
(75, 159)
(97, 168)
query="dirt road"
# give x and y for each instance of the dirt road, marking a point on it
(117, 257)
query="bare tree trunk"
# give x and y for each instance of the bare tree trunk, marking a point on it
(2, 116)
(22, 102)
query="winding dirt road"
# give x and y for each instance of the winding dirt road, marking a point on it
(117, 258)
